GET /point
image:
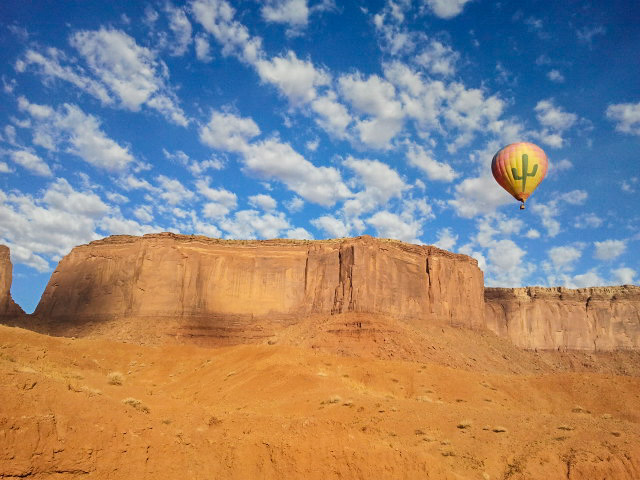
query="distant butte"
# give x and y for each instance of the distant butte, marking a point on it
(167, 287)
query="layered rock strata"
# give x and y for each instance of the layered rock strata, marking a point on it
(8, 308)
(597, 318)
(234, 288)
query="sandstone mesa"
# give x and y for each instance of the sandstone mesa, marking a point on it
(203, 290)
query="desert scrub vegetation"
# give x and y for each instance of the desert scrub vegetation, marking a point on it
(464, 424)
(114, 378)
(137, 404)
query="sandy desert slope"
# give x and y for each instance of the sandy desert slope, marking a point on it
(76, 408)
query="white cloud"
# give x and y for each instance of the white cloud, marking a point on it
(548, 213)
(588, 220)
(294, 205)
(446, 8)
(221, 201)
(555, 76)
(435, 170)
(555, 121)
(299, 233)
(4, 168)
(438, 59)
(554, 117)
(478, 196)
(49, 226)
(181, 28)
(574, 197)
(31, 162)
(294, 13)
(563, 258)
(506, 264)
(264, 202)
(216, 16)
(272, 159)
(50, 67)
(446, 239)
(203, 49)
(609, 249)
(228, 132)
(295, 78)
(249, 224)
(76, 132)
(589, 279)
(532, 234)
(376, 98)
(334, 227)
(172, 191)
(629, 185)
(381, 183)
(144, 213)
(129, 70)
(333, 117)
(624, 275)
(626, 117)
(390, 225)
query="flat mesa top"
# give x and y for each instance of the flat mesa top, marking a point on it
(279, 242)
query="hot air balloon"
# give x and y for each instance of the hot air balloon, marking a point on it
(519, 168)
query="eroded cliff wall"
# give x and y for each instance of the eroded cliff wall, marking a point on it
(597, 318)
(214, 286)
(8, 308)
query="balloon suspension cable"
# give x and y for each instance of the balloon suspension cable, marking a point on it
(522, 207)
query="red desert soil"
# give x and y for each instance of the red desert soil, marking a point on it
(358, 398)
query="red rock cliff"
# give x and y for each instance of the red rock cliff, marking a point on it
(210, 284)
(597, 318)
(8, 308)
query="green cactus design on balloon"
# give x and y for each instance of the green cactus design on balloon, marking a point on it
(525, 174)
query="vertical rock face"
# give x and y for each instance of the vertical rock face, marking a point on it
(597, 318)
(8, 308)
(213, 284)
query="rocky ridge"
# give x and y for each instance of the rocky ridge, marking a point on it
(8, 308)
(177, 288)
(596, 318)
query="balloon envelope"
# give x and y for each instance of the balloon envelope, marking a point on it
(519, 168)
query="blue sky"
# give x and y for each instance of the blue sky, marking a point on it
(322, 119)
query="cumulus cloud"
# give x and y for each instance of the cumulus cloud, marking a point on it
(564, 257)
(609, 249)
(555, 121)
(626, 117)
(272, 159)
(478, 196)
(376, 98)
(391, 225)
(296, 79)
(380, 182)
(446, 8)
(229, 132)
(70, 129)
(624, 275)
(435, 170)
(446, 239)
(438, 58)
(50, 67)
(506, 264)
(180, 25)
(172, 191)
(121, 69)
(216, 16)
(38, 229)
(251, 224)
(334, 227)
(294, 13)
(31, 162)
(263, 202)
(555, 76)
